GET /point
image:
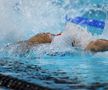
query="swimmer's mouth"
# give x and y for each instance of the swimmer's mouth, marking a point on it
(73, 43)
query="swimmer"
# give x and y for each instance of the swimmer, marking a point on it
(74, 37)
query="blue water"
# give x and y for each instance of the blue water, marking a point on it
(21, 19)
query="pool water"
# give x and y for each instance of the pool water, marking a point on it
(62, 70)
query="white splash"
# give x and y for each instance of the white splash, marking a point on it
(72, 33)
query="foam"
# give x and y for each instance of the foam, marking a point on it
(20, 19)
(72, 33)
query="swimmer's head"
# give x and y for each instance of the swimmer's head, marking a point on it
(78, 35)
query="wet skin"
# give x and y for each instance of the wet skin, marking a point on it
(98, 45)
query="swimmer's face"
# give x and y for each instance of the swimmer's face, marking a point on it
(75, 43)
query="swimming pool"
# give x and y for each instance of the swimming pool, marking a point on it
(62, 70)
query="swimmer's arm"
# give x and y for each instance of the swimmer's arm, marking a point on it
(41, 38)
(99, 45)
